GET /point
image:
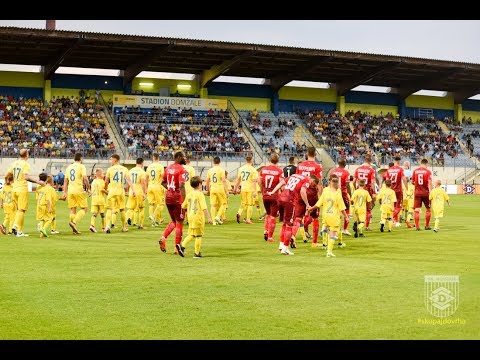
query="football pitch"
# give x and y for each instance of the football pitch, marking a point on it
(121, 286)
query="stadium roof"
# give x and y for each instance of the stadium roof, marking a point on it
(210, 59)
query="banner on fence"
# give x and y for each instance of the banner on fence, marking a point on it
(173, 102)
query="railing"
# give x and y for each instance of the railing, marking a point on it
(239, 123)
(114, 126)
(101, 154)
(172, 120)
(132, 154)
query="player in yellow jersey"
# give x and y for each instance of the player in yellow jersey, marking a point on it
(75, 180)
(8, 206)
(43, 177)
(333, 206)
(217, 188)
(410, 197)
(98, 200)
(188, 175)
(230, 191)
(197, 212)
(20, 170)
(156, 192)
(360, 198)
(256, 201)
(114, 184)
(387, 198)
(438, 196)
(136, 203)
(47, 199)
(39, 215)
(247, 177)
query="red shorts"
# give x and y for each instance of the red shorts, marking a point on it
(271, 207)
(286, 212)
(177, 214)
(399, 196)
(418, 200)
(173, 198)
(300, 209)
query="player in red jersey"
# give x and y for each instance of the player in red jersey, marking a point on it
(344, 178)
(307, 168)
(397, 175)
(310, 167)
(312, 196)
(301, 202)
(174, 182)
(295, 191)
(367, 173)
(385, 174)
(422, 179)
(269, 178)
(283, 204)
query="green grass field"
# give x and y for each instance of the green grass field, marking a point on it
(120, 286)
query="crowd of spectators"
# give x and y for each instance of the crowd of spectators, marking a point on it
(385, 135)
(167, 130)
(59, 127)
(274, 134)
(334, 131)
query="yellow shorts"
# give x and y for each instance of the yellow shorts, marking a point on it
(218, 198)
(156, 196)
(116, 202)
(386, 214)
(410, 205)
(98, 209)
(196, 231)
(135, 202)
(437, 213)
(247, 198)
(360, 216)
(405, 204)
(44, 214)
(77, 200)
(332, 222)
(9, 209)
(21, 199)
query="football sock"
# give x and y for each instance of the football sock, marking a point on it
(170, 227)
(92, 220)
(123, 218)
(416, 216)
(198, 244)
(249, 213)
(316, 228)
(79, 216)
(178, 233)
(187, 240)
(428, 215)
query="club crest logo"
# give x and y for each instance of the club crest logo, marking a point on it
(442, 294)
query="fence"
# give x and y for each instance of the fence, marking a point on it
(100, 154)
(132, 154)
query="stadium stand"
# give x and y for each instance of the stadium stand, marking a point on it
(59, 128)
(336, 134)
(275, 133)
(203, 134)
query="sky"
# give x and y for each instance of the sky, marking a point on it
(434, 39)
